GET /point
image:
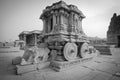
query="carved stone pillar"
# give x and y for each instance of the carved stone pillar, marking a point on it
(74, 19)
(61, 19)
(61, 12)
(79, 26)
(35, 35)
(58, 19)
(44, 25)
(71, 19)
(25, 39)
(54, 20)
(48, 25)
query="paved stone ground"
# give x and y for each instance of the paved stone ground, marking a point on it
(100, 68)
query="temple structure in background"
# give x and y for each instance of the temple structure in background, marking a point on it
(29, 38)
(113, 33)
(22, 37)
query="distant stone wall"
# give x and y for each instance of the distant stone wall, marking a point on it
(97, 41)
(6, 44)
(30, 38)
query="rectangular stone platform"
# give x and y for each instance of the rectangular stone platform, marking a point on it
(59, 66)
(21, 69)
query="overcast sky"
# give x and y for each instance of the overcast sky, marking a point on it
(23, 15)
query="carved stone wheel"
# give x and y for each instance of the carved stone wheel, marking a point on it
(84, 50)
(70, 51)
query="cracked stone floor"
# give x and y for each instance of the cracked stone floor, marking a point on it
(102, 67)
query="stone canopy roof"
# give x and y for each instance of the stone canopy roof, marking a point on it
(24, 32)
(63, 5)
(30, 32)
(35, 31)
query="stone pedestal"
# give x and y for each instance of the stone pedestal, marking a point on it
(21, 69)
(103, 49)
(64, 65)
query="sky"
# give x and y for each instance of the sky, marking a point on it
(23, 15)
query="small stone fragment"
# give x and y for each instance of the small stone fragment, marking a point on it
(117, 74)
(17, 60)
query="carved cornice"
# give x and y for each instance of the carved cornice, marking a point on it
(61, 5)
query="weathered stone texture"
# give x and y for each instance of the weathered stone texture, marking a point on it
(113, 32)
(62, 36)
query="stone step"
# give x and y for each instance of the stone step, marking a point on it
(103, 49)
(106, 53)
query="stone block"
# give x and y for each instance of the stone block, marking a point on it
(21, 69)
(16, 60)
(25, 68)
(43, 65)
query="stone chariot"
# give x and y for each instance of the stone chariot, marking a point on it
(63, 33)
(63, 37)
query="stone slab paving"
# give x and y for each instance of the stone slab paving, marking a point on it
(115, 78)
(74, 73)
(96, 75)
(90, 71)
(100, 68)
(108, 68)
